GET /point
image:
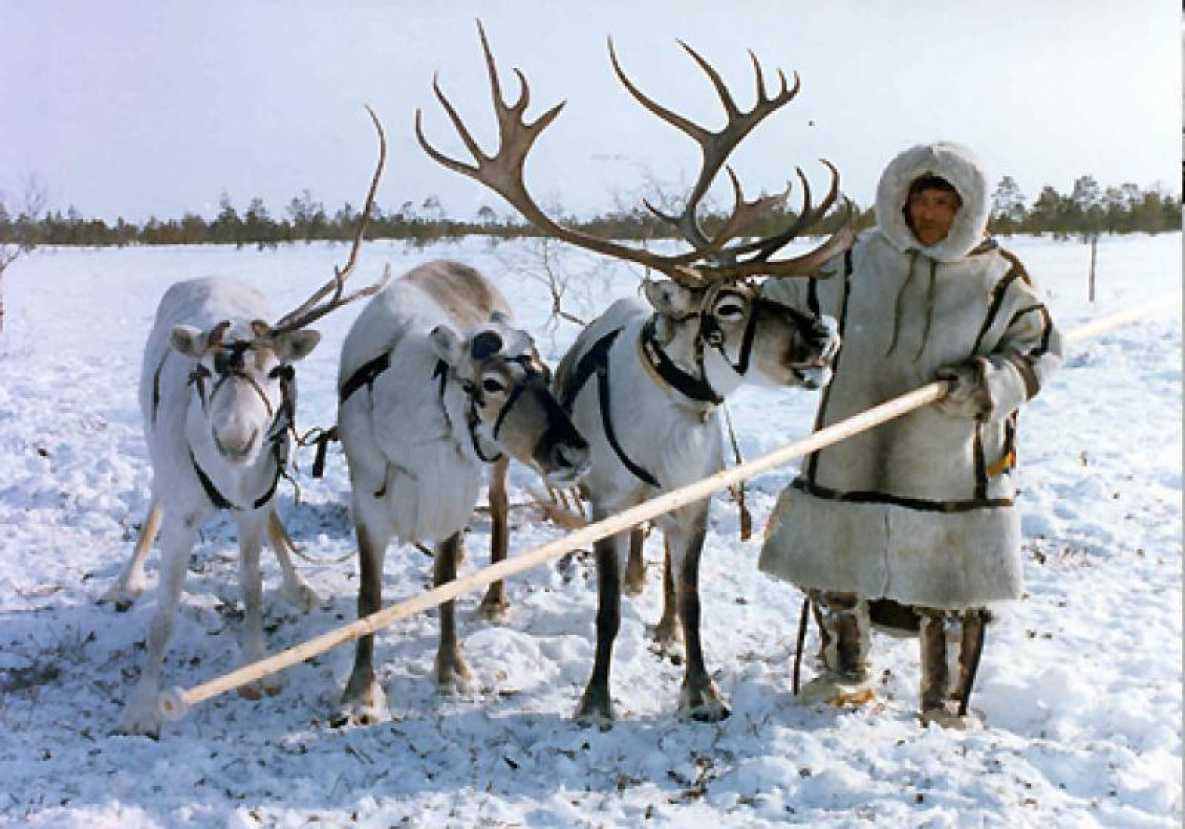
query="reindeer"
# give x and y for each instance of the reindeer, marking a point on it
(662, 371)
(217, 391)
(436, 383)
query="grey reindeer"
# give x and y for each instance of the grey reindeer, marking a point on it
(218, 394)
(435, 384)
(644, 381)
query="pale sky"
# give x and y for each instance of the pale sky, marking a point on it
(137, 109)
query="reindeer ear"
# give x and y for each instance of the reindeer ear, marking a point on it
(187, 340)
(447, 345)
(295, 345)
(669, 297)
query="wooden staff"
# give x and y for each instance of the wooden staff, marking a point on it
(176, 702)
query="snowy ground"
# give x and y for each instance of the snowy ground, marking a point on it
(1081, 683)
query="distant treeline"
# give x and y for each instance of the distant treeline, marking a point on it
(1088, 210)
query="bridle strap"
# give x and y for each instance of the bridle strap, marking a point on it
(277, 433)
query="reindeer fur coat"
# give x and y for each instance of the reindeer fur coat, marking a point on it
(920, 509)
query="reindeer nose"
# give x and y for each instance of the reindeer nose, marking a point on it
(236, 445)
(569, 462)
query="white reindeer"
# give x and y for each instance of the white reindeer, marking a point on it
(435, 383)
(217, 391)
(661, 371)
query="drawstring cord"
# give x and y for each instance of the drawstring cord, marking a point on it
(929, 309)
(899, 305)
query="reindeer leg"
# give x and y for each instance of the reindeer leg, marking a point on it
(294, 588)
(140, 714)
(668, 634)
(130, 584)
(494, 605)
(699, 697)
(251, 583)
(452, 674)
(635, 568)
(596, 705)
(364, 702)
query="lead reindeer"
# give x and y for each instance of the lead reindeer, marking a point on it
(435, 384)
(217, 391)
(662, 371)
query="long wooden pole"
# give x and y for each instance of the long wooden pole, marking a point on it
(176, 702)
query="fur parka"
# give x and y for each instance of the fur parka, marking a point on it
(920, 509)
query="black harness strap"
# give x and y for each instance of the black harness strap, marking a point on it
(219, 500)
(156, 387)
(365, 375)
(694, 388)
(596, 361)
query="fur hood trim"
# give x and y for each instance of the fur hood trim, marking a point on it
(961, 168)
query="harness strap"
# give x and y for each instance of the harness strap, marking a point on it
(365, 375)
(695, 388)
(596, 361)
(219, 500)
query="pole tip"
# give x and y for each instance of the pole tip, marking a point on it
(172, 704)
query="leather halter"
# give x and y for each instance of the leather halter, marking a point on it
(277, 433)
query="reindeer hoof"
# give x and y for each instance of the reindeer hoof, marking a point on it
(365, 704)
(595, 709)
(140, 717)
(301, 596)
(495, 612)
(703, 705)
(668, 641)
(121, 597)
(452, 676)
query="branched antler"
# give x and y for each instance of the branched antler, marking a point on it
(711, 259)
(310, 311)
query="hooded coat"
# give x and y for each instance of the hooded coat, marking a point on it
(919, 509)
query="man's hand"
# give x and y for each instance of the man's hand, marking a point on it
(969, 395)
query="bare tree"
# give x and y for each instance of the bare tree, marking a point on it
(19, 235)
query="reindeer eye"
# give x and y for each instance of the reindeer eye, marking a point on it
(492, 386)
(730, 310)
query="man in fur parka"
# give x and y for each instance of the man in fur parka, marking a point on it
(911, 524)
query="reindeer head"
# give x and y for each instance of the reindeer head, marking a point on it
(243, 380)
(781, 345)
(511, 403)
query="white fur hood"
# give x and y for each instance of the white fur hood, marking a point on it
(956, 164)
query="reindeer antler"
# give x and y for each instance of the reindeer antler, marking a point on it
(710, 260)
(309, 311)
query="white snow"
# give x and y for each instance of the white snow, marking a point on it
(1081, 681)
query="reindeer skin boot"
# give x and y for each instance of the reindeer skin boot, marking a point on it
(940, 697)
(846, 633)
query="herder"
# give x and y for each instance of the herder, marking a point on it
(911, 524)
